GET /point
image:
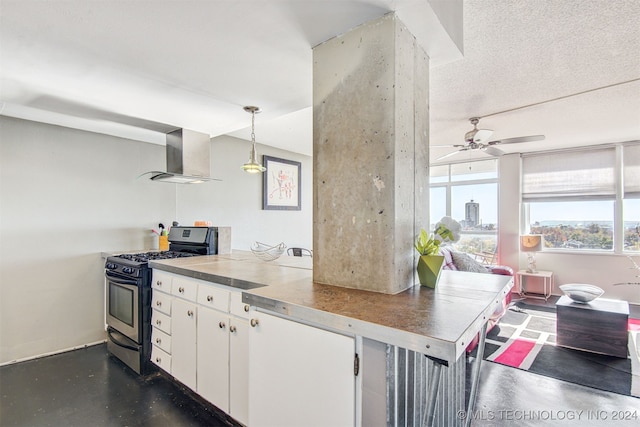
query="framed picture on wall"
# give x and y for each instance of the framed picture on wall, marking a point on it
(281, 184)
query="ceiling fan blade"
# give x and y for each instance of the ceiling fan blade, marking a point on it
(449, 155)
(517, 139)
(493, 151)
(482, 135)
(447, 146)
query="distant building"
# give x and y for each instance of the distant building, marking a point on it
(472, 213)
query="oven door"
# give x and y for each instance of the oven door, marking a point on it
(122, 305)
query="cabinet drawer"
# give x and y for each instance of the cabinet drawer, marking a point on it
(161, 339)
(184, 288)
(161, 302)
(237, 307)
(213, 297)
(161, 321)
(161, 358)
(161, 281)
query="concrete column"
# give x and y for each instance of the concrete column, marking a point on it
(370, 156)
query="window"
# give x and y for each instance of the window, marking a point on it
(631, 199)
(468, 192)
(572, 197)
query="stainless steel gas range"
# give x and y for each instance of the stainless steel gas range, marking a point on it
(128, 282)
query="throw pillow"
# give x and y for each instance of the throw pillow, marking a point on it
(465, 263)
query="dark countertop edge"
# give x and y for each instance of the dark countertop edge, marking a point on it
(223, 280)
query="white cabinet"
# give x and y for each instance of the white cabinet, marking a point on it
(174, 321)
(212, 342)
(183, 341)
(213, 357)
(161, 300)
(223, 358)
(200, 336)
(300, 375)
(239, 369)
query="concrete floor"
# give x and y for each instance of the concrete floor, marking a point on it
(87, 387)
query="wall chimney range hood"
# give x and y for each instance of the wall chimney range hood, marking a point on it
(188, 158)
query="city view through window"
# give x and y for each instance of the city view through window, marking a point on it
(469, 194)
(585, 225)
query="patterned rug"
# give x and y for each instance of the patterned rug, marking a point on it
(525, 338)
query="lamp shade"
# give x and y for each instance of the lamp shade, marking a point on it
(531, 243)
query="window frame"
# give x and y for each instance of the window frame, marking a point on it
(450, 183)
(618, 202)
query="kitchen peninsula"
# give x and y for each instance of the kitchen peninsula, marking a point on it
(436, 323)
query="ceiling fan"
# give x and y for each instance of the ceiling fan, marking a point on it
(475, 140)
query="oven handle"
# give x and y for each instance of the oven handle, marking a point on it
(120, 344)
(121, 281)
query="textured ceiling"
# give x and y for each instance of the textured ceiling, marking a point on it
(519, 53)
(139, 69)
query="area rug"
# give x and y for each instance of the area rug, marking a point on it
(525, 338)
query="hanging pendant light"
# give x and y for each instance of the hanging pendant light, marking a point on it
(253, 165)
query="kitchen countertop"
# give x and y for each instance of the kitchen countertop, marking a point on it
(439, 323)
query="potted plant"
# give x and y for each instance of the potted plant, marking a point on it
(428, 246)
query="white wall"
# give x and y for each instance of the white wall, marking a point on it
(237, 200)
(68, 195)
(603, 270)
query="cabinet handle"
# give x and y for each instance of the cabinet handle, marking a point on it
(209, 298)
(158, 341)
(158, 303)
(254, 322)
(158, 322)
(232, 329)
(159, 282)
(158, 360)
(181, 290)
(222, 325)
(246, 308)
(190, 313)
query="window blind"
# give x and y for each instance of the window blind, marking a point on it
(631, 161)
(571, 175)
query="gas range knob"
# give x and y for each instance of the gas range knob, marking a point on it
(127, 270)
(111, 266)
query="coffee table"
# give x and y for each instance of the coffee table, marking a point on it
(600, 326)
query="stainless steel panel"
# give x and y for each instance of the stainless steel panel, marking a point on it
(409, 374)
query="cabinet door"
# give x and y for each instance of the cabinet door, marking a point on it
(161, 340)
(300, 375)
(161, 302)
(239, 369)
(161, 321)
(213, 357)
(161, 281)
(183, 342)
(161, 358)
(237, 307)
(184, 287)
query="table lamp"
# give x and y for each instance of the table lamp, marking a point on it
(531, 243)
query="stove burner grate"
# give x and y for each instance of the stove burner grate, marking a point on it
(149, 256)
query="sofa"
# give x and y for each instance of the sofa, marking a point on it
(459, 261)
